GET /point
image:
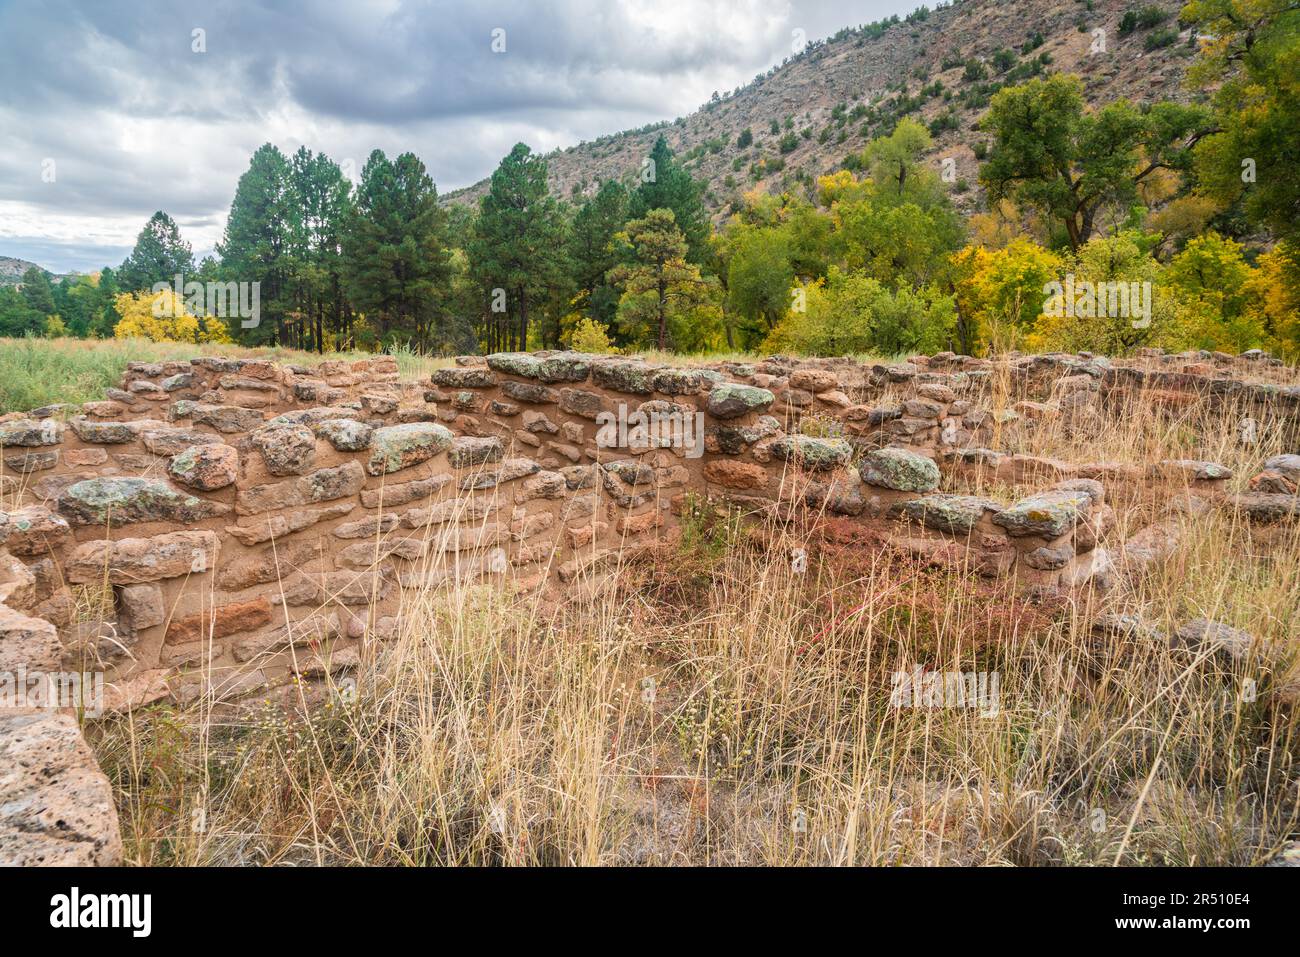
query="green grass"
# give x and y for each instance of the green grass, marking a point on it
(36, 372)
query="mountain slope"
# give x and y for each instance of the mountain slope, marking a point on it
(829, 101)
(11, 270)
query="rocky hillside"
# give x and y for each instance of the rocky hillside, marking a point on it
(11, 269)
(814, 113)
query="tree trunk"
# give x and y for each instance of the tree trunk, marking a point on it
(663, 314)
(523, 321)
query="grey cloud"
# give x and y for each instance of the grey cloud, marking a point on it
(137, 122)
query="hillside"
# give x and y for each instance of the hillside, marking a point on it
(829, 101)
(12, 269)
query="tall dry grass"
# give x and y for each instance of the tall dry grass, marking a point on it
(718, 703)
(715, 706)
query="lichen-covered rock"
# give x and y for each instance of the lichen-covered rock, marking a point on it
(958, 514)
(174, 383)
(323, 485)
(510, 470)
(1268, 507)
(900, 470)
(1202, 634)
(1194, 470)
(346, 435)
(29, 462)
(574, 367)
(206, 467)
(31, 432)
(685, 381)
(320, 413)
(624, 375)
(1288, 465)
(530, 392)
(395, 447)
(170, 442)
(286, 449)
(1048, 514)
(1050, 557)
(124, 501)
(469, 450)
(813, 453)
(728, 400)
(227, 418)
(464, 378)
(105, 433)
(632, 473)
(33, 530)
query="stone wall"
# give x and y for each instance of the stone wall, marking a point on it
(240, 521)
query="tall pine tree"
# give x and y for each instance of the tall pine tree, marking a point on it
(666, 185)
(396, 261)
(159, 255)
(257, 242)
(518, 245)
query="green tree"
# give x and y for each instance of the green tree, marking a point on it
(1051, 155)
(593, 251)
(320, 203)
(663, 293)
(158, 256)
(257, 245)
(666, 185)
(395, 257)
(759, 279)
(517, 250)
(1252, 56)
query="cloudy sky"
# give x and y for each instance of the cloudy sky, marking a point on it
(111, 109)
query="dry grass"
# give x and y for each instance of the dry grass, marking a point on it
(38, 372)
(714, 705)
(499, 730)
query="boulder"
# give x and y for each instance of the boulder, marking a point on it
(395, 447)
(899, 469)
(123, 501)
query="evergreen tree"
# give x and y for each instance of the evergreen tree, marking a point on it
(662, 290)
(255, 247)
(666, 185)
(518, 245)
(320, 200)
(159, 255)
(396, 262)
(593, 252)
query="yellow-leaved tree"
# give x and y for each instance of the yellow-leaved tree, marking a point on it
(161, 317)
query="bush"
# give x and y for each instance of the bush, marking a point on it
(1160, 38)
(590, 336)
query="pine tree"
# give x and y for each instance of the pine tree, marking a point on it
(160, 254)
(518, 244)
(666, 185)
(593, 252)
(256, 243)
(662, 289)
(396, 261)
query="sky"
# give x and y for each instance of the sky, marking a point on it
(110, 110)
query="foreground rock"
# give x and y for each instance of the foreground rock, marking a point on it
(56, 806)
